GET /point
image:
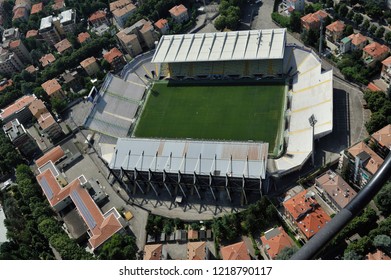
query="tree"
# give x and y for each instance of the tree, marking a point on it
(377, 121)
(348, 30)
(383, 199)
(119, 247)
(379, 32)
(383, 242)
(350, 14)
(351, 255)
(387, 37)
(58, 104)
(358, 18)
(343, 10)
(220, 23)
(286, 253)
(295, 21)
(366, 24)
(372, 29)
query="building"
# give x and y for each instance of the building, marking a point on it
(11, 34)
(31, 69)
(53, 89)
(334, 31)
(373, 53)
(18, 110)
(31, 33)
(49, 126)
(275, 240)
(19, 49)
(36, 8)
(9, 62)
(20, 138)
(122, 10)
(68, 21)
(72, 79)
(115, 58)
(386, 70)
(83, 37)
(5, 83)
(98, 18)
(90, 66)
(61, 194)
(47, 59)
(21, 10)
(192, 234)
(338, 192)
(313, 20)
(54, 155)
(154, 252)
(237, 251)
(353, 42)
(304, 212)
(63, 46)
(362, 162)
(179, 13)
(162, 26)
(293, 5)
(48, 30)
(58, 5)
(129, 43)
(197, 251)
(149, 35)
(37, 108)
(381, 140)
(377, 256)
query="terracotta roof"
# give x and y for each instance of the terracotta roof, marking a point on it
(87, 62)
(19, 13)
(53, 155)
(8, 83)
(112, 54)
(372, 87)
(373, 163)
(46, 120)
(47, 59)
(276, 243)
(336, 26)
(36, 8)
(82, 37)
(51, 86)
(378, 256)
(14, 44)
(37, 107)
(305, 210)
(31, 33)
(153, 252)
(336, 187)
(125, 10)
(375, 49)
(314, 17)
(237, 251)
(161, 23)
(178, 10)
(357, 39)
(383, 136)
(147, 26)
(119, 4)
(126, 38)
(63, 46)
(58, 4)
(196, 250)
(101, 227)
(192, 234)
(31, 69)
(387, 61)
(17, 105)
(98, 15)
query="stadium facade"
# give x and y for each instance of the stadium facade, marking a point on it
(186, 167)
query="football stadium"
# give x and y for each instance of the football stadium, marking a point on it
(220, 113)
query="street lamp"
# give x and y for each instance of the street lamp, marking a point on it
(313, 121)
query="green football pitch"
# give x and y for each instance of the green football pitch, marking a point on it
(218, 112)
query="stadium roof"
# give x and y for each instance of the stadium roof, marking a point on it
(222, 46)
(236, 159)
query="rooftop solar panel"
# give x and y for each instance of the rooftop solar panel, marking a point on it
(46, 188)
(83, 209)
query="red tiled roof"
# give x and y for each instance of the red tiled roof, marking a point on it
(237, 251)
(58, 4)
(375, 49)
(378, 256)
(192, 234)
(31, 33)
(47, 59)
(358, 39)
(336, 26)
(36, 8)
(82, 37)
(178, 10)
(31, 69)
(51, 86)
(14, 44)
(124, 10)
(87, 62)
(97, 16)
(383, 136)
(17, 105)
(46, 120)
(53, 155)
(119, 4)
(375, 161)
(37, 108)
(153, 252)
(314, 17)
(277, 243)
(310, 218)
(63, 45)
(161, 23)
(372, 87)
(19, 13)
(196, 250)
(112, 54)
(387, 62)
(5, 85)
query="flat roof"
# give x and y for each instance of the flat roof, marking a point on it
(46, 22)
(221, 46)
(236, 159)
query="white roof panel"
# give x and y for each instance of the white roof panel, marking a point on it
(237, 45)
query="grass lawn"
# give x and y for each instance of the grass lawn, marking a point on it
(234, 112)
